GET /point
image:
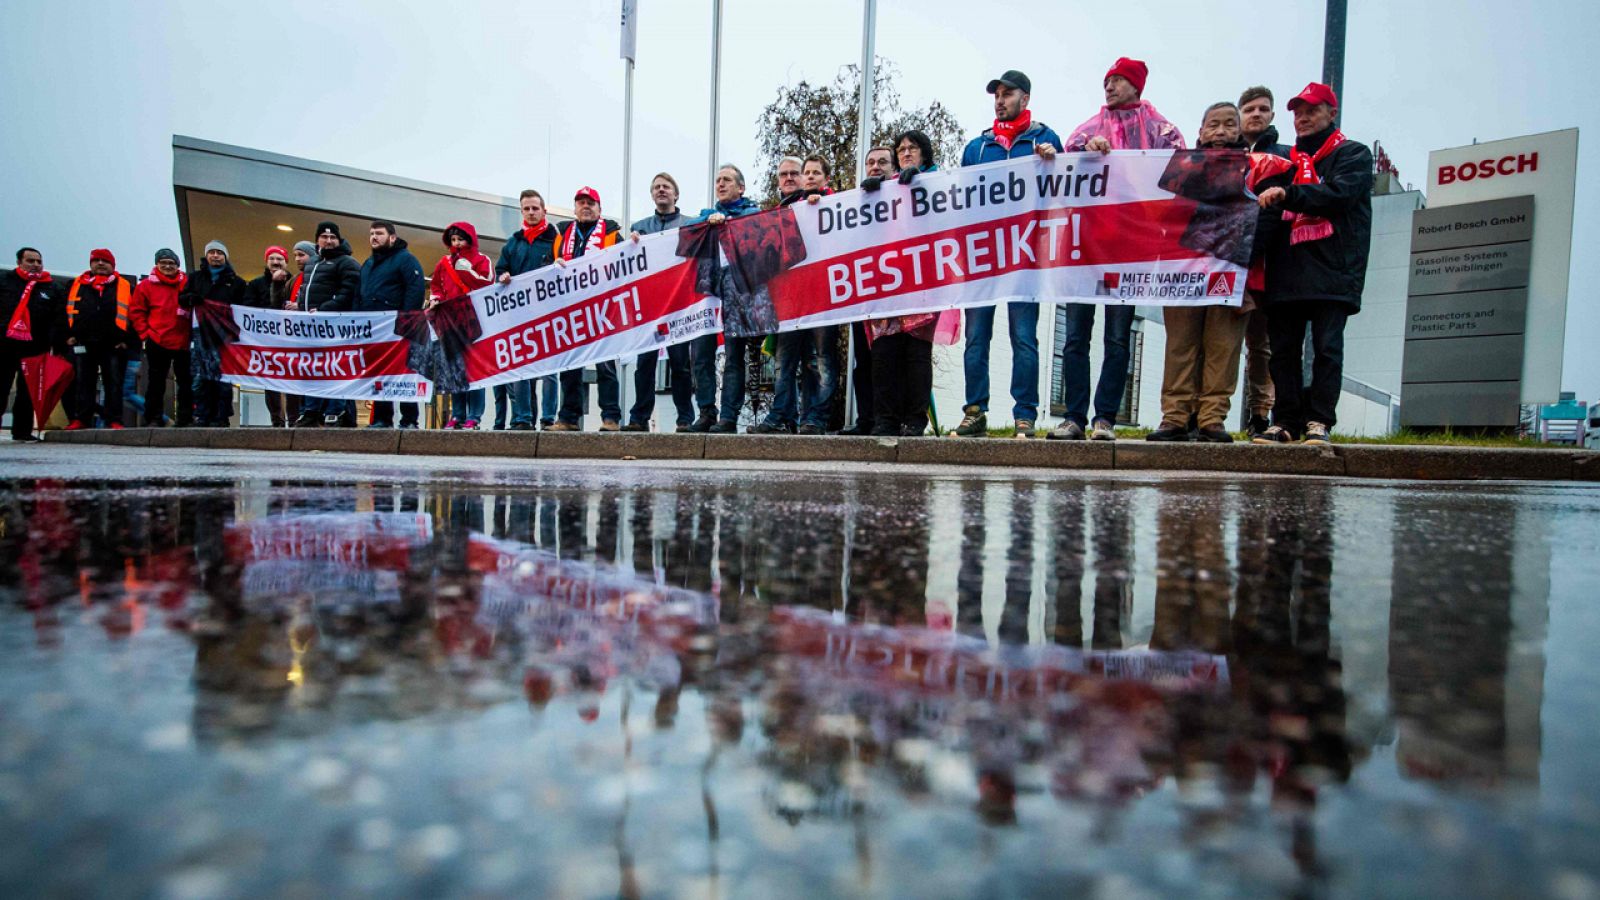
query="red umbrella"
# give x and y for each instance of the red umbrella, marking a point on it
(48, 376)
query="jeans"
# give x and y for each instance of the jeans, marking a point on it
(733, 372)
(1113, 369)
(1298, 403)
(791, 402)
(130, 381)
(467, 406)
(158, 362)
(502, 403)
(521, 396)
(99, 367)
(1022, 320)
(683, 385)
(323, 407)
(573, 392)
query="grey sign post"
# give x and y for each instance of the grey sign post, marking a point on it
(1466, 314)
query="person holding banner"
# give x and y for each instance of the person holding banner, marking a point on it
(880, 166)
(29, 300)
(275, 289)
(1315, 275)
(460, 272)
(532, 247)
(588, 232)
(807, 360)
(1013, 135)
(333, 280)
(391, 280)
(161, 317)
(1256, 115)
(731, 204)
(693, 363)
(1125, 122)
(215, 281)
(1203, 342)
(98, 331)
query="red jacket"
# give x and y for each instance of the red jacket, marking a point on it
(156, 315)
(448, 281)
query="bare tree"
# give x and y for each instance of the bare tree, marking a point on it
(822, 120)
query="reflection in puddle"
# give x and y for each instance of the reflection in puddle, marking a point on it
(694, 686)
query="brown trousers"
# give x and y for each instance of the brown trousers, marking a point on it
(1258, 393)
(1202, 366)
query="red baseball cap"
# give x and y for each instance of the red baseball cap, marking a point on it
(589, 192)
(1314, 94)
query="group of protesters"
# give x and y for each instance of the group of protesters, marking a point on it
(1307, 269)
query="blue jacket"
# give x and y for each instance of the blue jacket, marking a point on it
(655, 223)
(519, 256)
(985, 149)
(391, 279)
(743, 206)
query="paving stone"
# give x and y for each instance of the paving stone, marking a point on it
(62, 436)
(180, 437)
(434, 442)
(1005, 452)
(347, 440)
(794, 448)
(1586, 466)
(126, 437)
(1239, 457)
(250, 439)
(1381, 461)
(639, 445)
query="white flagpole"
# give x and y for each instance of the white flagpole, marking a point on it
(630, 32)
(716, 99)
(869, 34)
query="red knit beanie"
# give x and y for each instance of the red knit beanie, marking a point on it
(1132, 69)
(278, 250)
(103, 254)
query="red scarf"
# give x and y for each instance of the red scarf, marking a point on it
(177, 281)
(20, 328)
(597, 239)
(1307, 227)
(530, 233)
(1006, 133)
(99, 281)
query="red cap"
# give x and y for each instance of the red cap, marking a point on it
(278, 250)
(1132, 69)
(104, 254)
(589, 192)
(1314, 94)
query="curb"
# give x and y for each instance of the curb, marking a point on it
(1347, 460)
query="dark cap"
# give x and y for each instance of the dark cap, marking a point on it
(1012, 78)
(329, 227)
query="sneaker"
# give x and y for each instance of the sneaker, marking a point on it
(328, 421)
(1213, 434)
(470, 424)
(1066, 431)
(1024, 428)
(305, 420)
(884, 431)
(1316, 433)
(75, 425)
(1169, 434)
(116, 426)
(724, 426)
(562, 426)
(26, 439)
(1256, 427)
(379, 425)
(702, 424)
(772, 428)
(636, 426)
(973, 423)
(1104, 430)
(608, 426)
(1277, 434)
(913, 430)
(408, 426)
(812, 430)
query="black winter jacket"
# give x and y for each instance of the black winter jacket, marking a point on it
(333, 281)
(47, 310)
(95, 325)
(1333, 269)
(392, 279)
(519, 256)
(263, 293)
(227, 287)
(1267, 142)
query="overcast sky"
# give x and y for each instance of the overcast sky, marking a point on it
(472, 94)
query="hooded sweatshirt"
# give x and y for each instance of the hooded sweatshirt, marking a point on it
(459, 274)
(1133, 126)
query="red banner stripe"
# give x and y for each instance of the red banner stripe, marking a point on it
(337, 363)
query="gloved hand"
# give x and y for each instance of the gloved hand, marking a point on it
(871, 182)
(908, 175)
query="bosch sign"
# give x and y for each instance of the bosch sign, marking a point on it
(1511, 164)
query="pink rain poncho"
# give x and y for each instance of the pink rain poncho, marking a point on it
(1137, 127)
